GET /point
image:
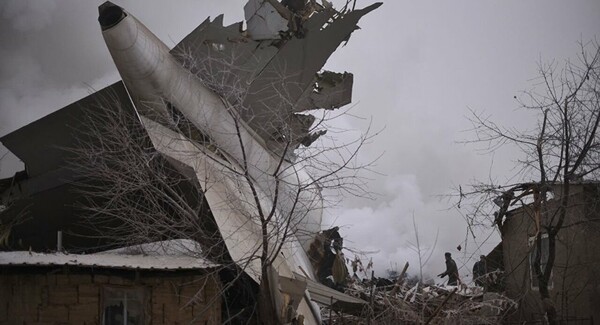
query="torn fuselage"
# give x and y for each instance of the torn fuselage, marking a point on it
(244, 95)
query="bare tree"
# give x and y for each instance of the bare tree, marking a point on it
(423, 253)
(137, 193)
(561, 149)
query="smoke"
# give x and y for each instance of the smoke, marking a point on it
(385, 232)
(24, 15)
(382, 228)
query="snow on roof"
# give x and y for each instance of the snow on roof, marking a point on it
(175, 247)
(167, 255)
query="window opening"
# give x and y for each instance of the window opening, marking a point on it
(533, 253)
(123, 306)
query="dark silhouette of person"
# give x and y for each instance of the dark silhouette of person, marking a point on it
(479, 271)
(451, 270)
(326, 268)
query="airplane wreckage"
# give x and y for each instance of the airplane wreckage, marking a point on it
(244, 94)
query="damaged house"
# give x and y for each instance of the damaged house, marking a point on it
(57, 263)
(161, 282)
(218, 122)
(574, 284)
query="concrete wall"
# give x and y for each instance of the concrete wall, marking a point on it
(575, 285)
(67, 298)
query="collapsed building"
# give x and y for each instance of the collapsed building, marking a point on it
(574, 287)
(224, 113)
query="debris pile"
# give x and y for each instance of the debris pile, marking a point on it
(400, 302)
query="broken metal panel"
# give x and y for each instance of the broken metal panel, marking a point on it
(331, 90)
(327, 296)
(299, 59)
(276, 90)
(293, 293)
(295, 129)
(268, 81)
(263, 20)
(223, 58)
(294, 288)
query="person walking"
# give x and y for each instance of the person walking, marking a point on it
(479, 271)
(451, 270)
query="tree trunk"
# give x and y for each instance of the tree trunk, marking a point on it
(266, 310)
(548, 304)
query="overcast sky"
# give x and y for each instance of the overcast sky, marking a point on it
(418, 66)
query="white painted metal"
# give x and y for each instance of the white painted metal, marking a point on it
(153, 76)
(231, 202)
(263, 21)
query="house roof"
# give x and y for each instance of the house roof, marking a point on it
(167, 255)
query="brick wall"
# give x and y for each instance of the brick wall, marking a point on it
(67, 298)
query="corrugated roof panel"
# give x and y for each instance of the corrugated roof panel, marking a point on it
(166, 258)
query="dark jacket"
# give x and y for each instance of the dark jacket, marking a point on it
(451, 272)
(479, 271)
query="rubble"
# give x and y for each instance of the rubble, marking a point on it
(421, 304)
(397, 300)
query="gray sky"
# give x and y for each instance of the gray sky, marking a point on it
(418, 66)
